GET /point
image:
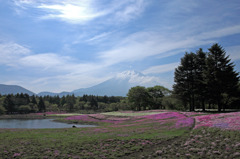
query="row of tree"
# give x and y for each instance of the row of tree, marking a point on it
(139, 98)
(23, 103)
(207, 78)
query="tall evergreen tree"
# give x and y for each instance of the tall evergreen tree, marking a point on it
(200, 84)
(33, 100)
(185, 79)
(70, 101)
(41, 105)
(8, 104)
(63, 101)
(220, 77)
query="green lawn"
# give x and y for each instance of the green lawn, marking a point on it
(130, 114)
(63, 115)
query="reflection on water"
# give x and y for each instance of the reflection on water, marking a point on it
(36, 124)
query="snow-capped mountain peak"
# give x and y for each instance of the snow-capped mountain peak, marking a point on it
(137, 78)
(128, 74)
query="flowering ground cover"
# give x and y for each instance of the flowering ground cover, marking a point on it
(164, 134)
(229, 121)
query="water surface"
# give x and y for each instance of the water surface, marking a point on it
(36, 124)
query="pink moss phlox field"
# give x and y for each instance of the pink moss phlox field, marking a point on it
(168, 115)
(177, 118)
(224, 120)
(98, 116)
(145, 111)
(181, 120)
(184, 122)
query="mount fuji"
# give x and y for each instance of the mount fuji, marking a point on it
(119, 85)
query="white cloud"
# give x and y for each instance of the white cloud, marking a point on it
(146, 44)
(161, 68)
(99, 37)
(81, 12)
(46, 61)
(73, 12)
(10, 53)
(140, 45)
(222, 32)
(131, 10)
(234, 52)
(67, 82)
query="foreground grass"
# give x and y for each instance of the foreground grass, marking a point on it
(135, 137)
(73, 143)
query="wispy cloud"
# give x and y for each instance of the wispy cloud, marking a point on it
(49, 70)
(141, 45)
(233, 52)
(10, 53)
(73, 12)
(131, 10)
(161, 68)
(99, 37)
(222, 32)
(146, 44)
(81, 12)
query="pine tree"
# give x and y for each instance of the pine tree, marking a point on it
(220, 77)
(185, 79)
(41, 105)
(8, 104)
(33, 100)
(200, 85)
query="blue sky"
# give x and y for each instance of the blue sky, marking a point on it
(69, 44)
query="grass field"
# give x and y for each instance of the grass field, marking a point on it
(133, 135)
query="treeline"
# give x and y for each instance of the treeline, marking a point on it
(23, 103)
(139, 98)
(207, 79)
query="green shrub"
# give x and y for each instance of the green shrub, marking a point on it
(2, 110)
(24, 109)
(173, 103)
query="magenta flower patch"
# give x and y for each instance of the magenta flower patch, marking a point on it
(223, 120)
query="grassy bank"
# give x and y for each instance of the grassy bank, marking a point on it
(149, 135)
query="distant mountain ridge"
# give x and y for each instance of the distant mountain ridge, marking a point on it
(13, 89)
(116, 86)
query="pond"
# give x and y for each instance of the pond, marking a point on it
(36, 124)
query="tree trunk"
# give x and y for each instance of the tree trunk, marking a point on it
(203, 105)
(219, 106)
(193, 103)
